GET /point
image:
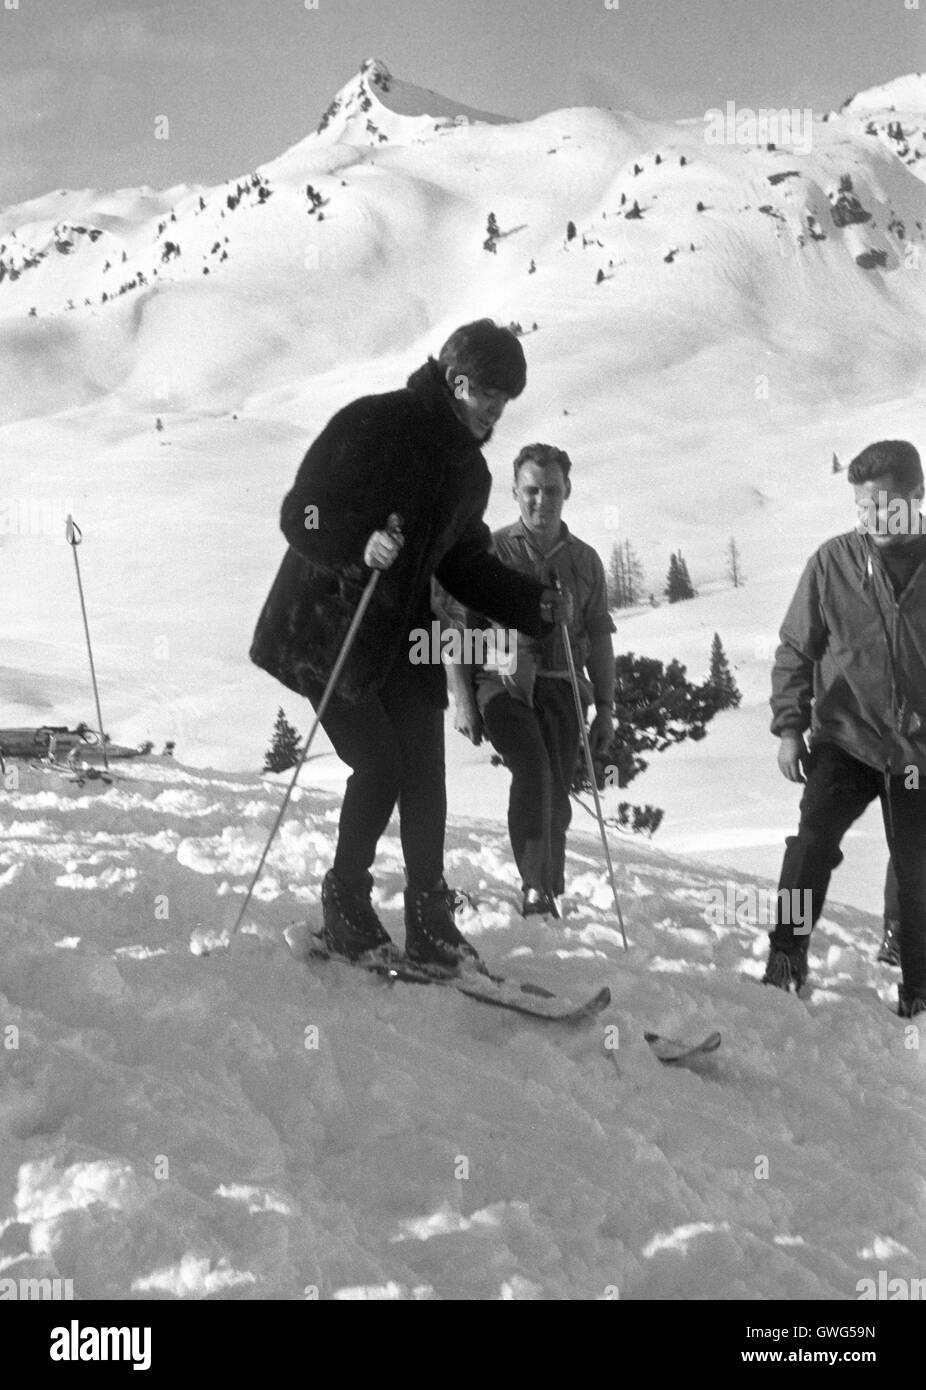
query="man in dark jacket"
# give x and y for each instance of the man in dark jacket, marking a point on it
(414, 453)
(852, 667)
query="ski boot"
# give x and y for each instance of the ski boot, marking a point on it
(890, 945)
(787, 967)
(352, 928)
(537, 902)
(910, 1004)
(431, 934)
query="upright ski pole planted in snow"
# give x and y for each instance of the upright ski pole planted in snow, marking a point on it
(74, 538)
(574, 680)
(394, 526)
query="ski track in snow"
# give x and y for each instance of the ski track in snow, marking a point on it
(169, 1130)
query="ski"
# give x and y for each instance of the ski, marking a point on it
(73, 771)
(487, 988)
(57, 740)
(674, 1053)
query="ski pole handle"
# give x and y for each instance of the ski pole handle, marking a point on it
(564, 611)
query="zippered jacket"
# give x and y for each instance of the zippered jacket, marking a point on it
(851, 664)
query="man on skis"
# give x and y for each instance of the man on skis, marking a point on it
(852, 667)
(413, 453)
(529, 713)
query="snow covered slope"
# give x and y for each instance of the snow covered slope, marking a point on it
(896, 114)
(902, 94)
(236, 1125)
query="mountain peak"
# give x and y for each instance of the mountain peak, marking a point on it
(376, 73)
(375, 108)
(906, 93)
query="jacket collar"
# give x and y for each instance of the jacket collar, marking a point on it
(428, 386)
(524, 535)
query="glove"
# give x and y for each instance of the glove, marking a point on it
(382, 549)
(601, 734)
(556, 607)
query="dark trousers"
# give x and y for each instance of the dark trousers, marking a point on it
(539, 745)
(891, 900)
(394, 746)
(838, 790)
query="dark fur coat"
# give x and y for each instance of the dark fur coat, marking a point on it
(404, 452)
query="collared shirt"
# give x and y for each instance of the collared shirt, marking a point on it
(582, 576)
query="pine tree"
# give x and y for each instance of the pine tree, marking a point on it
(734, 568)
(672, 584)
(655, 706)
(616, 578)
(492, 227)
(678, 580)
(625, 576)
(721, 679)
(837, 466)
(570, 231)
(636, 579)
(284, 750)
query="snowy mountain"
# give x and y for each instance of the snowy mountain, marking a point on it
(903, 94)
(896, 114)
(367, 238)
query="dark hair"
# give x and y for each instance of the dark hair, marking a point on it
(890, 457)
(490, 356)
(543, 455)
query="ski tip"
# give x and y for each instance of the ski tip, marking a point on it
(672, 1050)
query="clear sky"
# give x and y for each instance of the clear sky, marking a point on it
(82, 81)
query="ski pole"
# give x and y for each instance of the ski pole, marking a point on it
(590, 766)
(394, 527)
(74, 538)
